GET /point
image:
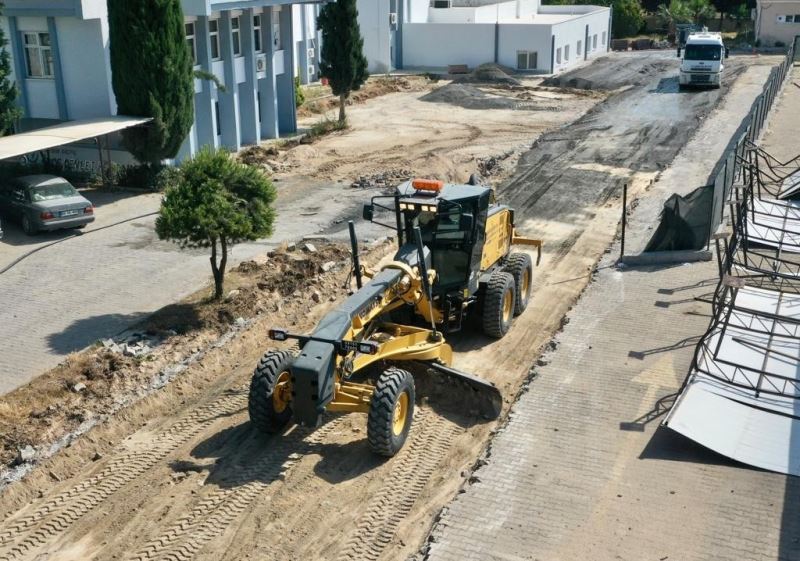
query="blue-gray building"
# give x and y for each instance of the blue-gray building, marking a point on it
(61, 63)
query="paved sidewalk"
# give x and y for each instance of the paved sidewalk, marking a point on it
(66, 296)
(583, 470)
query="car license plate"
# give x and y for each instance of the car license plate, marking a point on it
(69, 212)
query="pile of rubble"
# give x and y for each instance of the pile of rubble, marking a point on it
(383, 180)
(136, 344)
(492, 165)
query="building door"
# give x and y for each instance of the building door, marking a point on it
(527, 60)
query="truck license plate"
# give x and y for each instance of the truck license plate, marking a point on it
(700, 78)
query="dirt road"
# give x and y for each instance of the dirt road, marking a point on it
(181, 475)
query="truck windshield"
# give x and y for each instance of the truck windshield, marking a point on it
(703, 52)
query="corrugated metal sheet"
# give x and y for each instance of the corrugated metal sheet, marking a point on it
(65, 133)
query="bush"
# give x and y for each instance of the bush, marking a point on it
(326, 126)
(628, 18)
(299, 94)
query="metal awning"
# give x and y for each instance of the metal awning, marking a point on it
(742, 397)
(45, 138)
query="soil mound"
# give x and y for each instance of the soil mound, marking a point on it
(489, 73)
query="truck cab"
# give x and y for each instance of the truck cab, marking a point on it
(702, 61)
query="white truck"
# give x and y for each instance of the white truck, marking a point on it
(702, 61)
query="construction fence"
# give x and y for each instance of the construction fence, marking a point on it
(729, 167)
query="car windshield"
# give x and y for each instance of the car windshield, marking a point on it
(703, 52)
(52, 191)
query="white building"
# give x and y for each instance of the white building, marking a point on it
(61, 64)
(777, 22)
(519, 34)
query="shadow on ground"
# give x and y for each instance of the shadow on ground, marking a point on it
(182, 318)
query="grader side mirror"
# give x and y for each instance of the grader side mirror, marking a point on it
(368, 212)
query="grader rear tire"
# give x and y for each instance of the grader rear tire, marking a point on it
(521, 268)
(391, 411)
(269, 403)
(498, 304)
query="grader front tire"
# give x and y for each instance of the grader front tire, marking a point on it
(269, 402)
(391, 411)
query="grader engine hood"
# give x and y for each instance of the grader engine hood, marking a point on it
(313, 371)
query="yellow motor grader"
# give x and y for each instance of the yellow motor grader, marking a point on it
(454, 259)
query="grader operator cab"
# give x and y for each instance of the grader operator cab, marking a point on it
(454, 259)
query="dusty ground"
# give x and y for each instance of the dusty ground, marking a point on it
(180, 475)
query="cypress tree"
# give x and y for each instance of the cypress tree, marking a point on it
(9, 111)
(342, 60)
(151, 75)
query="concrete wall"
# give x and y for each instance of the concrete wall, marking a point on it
(524, 37)
(424, 44)
(570, 32)
(87, 73)
(373, 20)
(771, 25)
(416, 11)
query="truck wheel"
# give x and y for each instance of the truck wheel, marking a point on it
(270, 401)
(390, 411)
(521, 268)
(498, 304)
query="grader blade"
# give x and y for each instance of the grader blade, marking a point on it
(485, 395)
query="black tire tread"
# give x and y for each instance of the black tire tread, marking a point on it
(390, 384)
(516, 264)
(259, 402)
(499, 282)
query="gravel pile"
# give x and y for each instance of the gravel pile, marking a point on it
(382, 180)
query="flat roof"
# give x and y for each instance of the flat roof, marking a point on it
(16, 145)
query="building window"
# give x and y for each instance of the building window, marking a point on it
(527, 60)
(578, 49)
(566, 53)
(594, 42)
(277, 44)
(38, 55)
(257, 33)
(213, 32)
(190, 41)
(237, 40)
(216, 116)
(604, 38)
(558, 55)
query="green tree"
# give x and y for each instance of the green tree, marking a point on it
(627, 19)
(701, 10)
(9, 110)
(216, 202)
(342, 59)
(152, 75)
(676, 12)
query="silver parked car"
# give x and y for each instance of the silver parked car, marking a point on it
(44, 202)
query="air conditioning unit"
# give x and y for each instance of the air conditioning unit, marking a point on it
(261, 63)
(310, 54)
(393, 19)
(442, 4)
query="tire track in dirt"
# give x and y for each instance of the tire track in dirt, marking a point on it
(376, 528)
(212, 516)
(59, 513)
